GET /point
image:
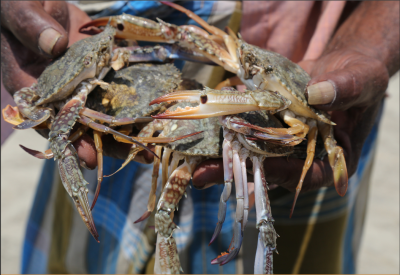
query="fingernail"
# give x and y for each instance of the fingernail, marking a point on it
(47, 39)
(320, 93)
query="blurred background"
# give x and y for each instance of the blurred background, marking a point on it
(379, 252)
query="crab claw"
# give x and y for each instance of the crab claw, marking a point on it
(82, 204)
(12, 115)
(75, 185)
(233, 248)
(48, 154)
(129, 27)
(218, 103)
(336, 158)
(42, 116)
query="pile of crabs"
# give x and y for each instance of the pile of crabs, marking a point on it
(111, 89)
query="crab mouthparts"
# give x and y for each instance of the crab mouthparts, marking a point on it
(211, 105)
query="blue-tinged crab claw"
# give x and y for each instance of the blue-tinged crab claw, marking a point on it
(75, 184)
(217, 231)
(233, 248)
(41, 115)
(218, 103)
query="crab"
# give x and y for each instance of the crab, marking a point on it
(125, 102)
(241, 142)
(65, 85)
(195, 149)
(257, 68)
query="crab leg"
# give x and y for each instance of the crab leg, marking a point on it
(13, 116)
(105, 129)
(149, 130)
(229, 41)
(238, 228)
(267, 236)
(48, 154)
(146, 132)
(312, 139)
(167, 260)
(99, 148)
(164, 169)
(228, 178)
(64, 152)
(244, 154)
(152, 196)
(274, 135)
(176, 158)
(25, 100)
(297, 126)
(112, 121)
(336, 158)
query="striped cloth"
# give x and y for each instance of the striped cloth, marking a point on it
(57, 241)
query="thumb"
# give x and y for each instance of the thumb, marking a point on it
(345, 79)
(34, 27)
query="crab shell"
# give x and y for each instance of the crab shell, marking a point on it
(133, 88)
(84, 59)
(265, 69)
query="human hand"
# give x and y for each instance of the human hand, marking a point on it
(360, 83)
(357, 65)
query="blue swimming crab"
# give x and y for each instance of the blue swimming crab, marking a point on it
(65, 85)
(195, 149)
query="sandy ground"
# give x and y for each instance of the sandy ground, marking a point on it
(379, 252)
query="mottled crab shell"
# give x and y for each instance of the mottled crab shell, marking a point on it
(208, 143)
(291, 76)
(59, 79)
(133, 88)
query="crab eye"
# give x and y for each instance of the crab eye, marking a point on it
(203, 99)
(270, 68)
(109, 38)
(87, 60)
(120, 27)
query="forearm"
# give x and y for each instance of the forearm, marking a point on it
(372, 30)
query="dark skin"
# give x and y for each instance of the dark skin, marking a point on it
(359, 60)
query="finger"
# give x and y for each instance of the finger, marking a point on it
(280, 171)
(351, 80)
(286, 172)
(34, 27)
(144, 156)
(208, 173)
(86, 150)
(20, 67)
